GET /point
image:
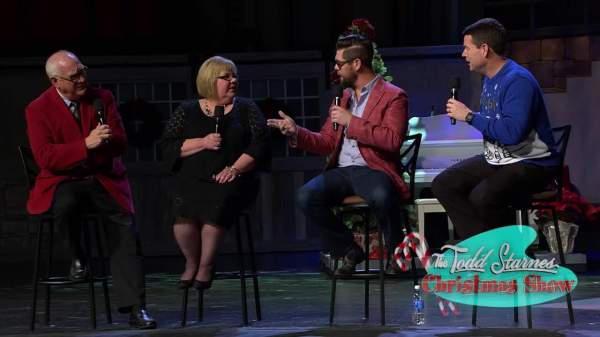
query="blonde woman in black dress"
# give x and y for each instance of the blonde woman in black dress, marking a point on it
(213, 157)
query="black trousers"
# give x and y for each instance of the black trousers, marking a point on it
(477, 195)
(123, 245)
(318, 196)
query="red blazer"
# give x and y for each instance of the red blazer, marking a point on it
(379, 133)
(58, 146)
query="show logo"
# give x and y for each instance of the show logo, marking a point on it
(492, 269)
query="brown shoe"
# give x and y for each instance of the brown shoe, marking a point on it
(354, 255)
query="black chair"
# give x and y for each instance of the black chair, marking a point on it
(551, 194)
(357, 205)
(89, 219)
(241, 274)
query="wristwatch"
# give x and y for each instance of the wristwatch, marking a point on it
(469, 118)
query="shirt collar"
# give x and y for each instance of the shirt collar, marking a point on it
(66, 100)
(370, 85)
(367, 87)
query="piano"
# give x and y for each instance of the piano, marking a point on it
(443, 145)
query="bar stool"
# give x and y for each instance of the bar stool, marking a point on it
(554, 193)
(241, 274)
(355, 204)
(46, 220)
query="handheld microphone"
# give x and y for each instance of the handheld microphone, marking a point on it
(454, 86)
(339, 92)
(219, 112)
(99, 107)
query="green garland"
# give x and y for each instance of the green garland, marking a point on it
(363, 27)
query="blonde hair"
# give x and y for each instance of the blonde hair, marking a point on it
(209, 71)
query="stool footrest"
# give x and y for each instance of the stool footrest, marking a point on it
(233, 275)
(59, 280)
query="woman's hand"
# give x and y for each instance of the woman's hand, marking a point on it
(228, 174)
(212, 141)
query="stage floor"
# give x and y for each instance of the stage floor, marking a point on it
(296, 304)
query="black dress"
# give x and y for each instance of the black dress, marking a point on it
(196, 195)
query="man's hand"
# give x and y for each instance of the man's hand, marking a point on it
(212, 141)
(457, 109)
(99, 135)
(286, 124)
(340, 115)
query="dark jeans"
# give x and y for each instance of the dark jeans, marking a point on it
(123, 247)
(318, 196)
(477, 195)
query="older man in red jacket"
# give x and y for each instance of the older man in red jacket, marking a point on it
(78, 152)
(362, 152)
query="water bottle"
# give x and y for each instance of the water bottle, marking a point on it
(418, 316)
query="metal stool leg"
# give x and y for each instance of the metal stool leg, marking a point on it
(200, 305)
(332, 296)
(381, 277)
(100, 234)
(563, 262)
(253, 266)
(367, 246)
(475, 299)
(366, 304)
(36, 268)
(90, 277)
(184, 307)
(49, 269)
(242, 274)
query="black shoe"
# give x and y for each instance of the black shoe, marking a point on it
(203, 285)
(184, 284)
(140, 319)
(78, 270)
(354, 255)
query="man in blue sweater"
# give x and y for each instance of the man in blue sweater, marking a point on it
(519, 150)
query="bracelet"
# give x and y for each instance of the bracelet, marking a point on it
(234, 170)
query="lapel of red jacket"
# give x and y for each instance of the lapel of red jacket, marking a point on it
(374, 98)
(86, 113)
(63, 116)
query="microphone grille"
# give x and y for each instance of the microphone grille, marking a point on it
(98, 105)
(339, 91)
(219, 110)
(455, 83)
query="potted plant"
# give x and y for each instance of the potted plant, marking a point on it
(572, 210)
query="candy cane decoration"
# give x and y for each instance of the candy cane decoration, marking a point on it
(443, 310)
(402, 256)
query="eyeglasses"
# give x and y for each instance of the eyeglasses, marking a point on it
(77, 77)
(339, 63)
(228, 77)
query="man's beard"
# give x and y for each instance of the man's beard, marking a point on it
(348, 82)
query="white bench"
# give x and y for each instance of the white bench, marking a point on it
(430, 205)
